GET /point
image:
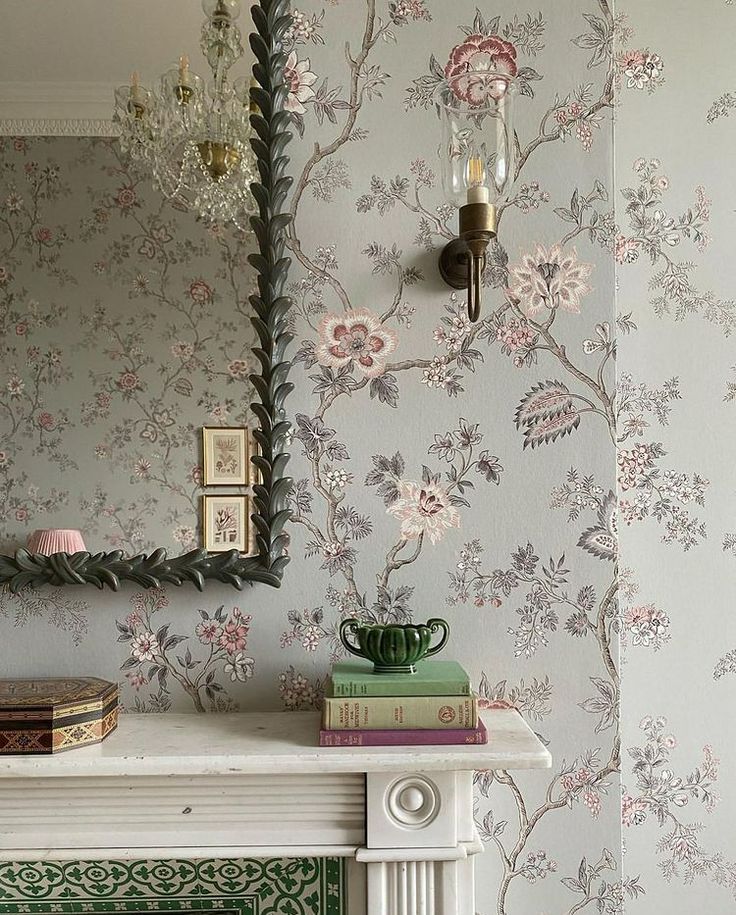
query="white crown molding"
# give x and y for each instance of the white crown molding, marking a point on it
(56, 109)
(57, 127)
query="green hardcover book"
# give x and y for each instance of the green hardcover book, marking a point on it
(433, 678)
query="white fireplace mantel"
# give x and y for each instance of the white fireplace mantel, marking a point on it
(257, 785)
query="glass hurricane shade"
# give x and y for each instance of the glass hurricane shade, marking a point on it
(214, 8)
(477, 152)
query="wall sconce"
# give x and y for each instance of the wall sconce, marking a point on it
(478, 156)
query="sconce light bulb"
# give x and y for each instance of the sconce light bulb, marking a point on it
(476, 171)
(475, 179)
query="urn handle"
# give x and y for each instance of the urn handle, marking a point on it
(435, 625)
(350, 626)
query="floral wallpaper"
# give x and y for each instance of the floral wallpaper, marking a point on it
(675, 210)
(489, 473)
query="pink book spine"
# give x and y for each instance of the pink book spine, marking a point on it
(399, 738)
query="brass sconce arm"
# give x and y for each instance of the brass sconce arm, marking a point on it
(463, 260)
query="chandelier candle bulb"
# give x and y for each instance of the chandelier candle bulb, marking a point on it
(136, 94)
(184, 70)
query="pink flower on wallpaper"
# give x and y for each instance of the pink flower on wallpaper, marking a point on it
(44, 235)
(208, 631)
(549, 279)
(220, 412)
(479, 53)
(355, 338)
(626, 250)
(633, 810)
(424, 509)
(299, 80)
(238, 368)
(186, 535)
(633, 464)
(125, 197)
(628, 60)
(21, 328)
(128, 381)
(648, 626)
(136, 679)
(182, 350)
(515, 335)
(404, 10)
(234, 636)
(21, 514)
(643, 70)
(200, 292)
(46, 421)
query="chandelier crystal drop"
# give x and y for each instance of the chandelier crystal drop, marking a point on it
(195, 137)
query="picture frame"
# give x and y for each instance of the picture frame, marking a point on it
(225, 523)
(226, 455)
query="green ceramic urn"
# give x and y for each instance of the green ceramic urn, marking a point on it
(393, 648)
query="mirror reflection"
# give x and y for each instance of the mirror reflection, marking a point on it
(125, 330)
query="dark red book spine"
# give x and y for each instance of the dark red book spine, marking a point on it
(403, 738)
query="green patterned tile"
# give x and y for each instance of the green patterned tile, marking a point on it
(240, 886)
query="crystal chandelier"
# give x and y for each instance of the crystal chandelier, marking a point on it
(195, 137)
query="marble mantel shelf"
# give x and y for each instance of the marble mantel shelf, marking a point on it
(260, 743)
(257, 785)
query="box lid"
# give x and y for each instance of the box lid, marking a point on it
(54, 696)
(48, 715)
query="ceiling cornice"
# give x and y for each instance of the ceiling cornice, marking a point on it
(56, 109)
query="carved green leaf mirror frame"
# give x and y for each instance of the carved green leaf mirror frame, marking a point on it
(270, 321)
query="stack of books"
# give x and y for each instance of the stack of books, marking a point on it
(435, 705)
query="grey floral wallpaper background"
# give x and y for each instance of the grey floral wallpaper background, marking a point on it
(675, 212)
(487, 473)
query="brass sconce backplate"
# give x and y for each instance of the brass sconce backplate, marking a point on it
(463, 260)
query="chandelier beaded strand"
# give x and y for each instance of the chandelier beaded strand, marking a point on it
(195, 138)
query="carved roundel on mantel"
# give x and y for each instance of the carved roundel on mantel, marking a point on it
(413, 801)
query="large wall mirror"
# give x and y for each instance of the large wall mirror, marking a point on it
(144, 372)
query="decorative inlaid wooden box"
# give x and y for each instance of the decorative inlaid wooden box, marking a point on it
(51, 715)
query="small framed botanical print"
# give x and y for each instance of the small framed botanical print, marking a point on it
(225, 456)
(226, 523)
